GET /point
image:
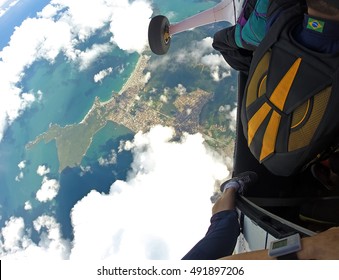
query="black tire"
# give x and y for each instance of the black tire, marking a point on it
(158, 35)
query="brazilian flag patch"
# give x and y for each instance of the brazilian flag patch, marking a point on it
(316, 25)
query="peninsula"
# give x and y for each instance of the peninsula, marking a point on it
(131, 109)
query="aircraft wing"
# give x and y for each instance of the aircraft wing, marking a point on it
(226, 10)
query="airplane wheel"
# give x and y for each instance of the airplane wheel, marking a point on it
(159, 38)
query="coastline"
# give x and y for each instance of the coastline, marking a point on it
(134, 80)
(70, 148)
(133, 108)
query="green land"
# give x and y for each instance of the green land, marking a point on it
(139, 106)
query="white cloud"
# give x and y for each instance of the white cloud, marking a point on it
(87, 57)
(121, 69)
(231, 114)
(52, 239)
(204, 53)
(199, 52)
(85, 169)
(159, 212)
(6, 5)
(12, 234)
(48, 190)
(129, 24)
(60, 28)
(20, 176)
(180, 89)
(42, 170)
(233, 117)
(218, 66)
(86, 17)
(22, 164)
(28, 205)
(152, 214)
(102, 74)
(163, 98)
(39, 95)
(147, 77)
(34, 39)
(15, 242)
(111, 159)
(49, 12)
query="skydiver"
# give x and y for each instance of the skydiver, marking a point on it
(237, 43)
(271, 42)
(221, 237)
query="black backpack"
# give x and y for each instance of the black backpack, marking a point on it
(290, 109)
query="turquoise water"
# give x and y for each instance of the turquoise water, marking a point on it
(68, 94)
(182, 9)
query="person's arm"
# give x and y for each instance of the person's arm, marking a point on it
(323, 246)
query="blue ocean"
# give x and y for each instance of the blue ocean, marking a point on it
(68, 94)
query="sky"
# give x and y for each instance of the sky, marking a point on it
(6, 5)
(166, 194)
